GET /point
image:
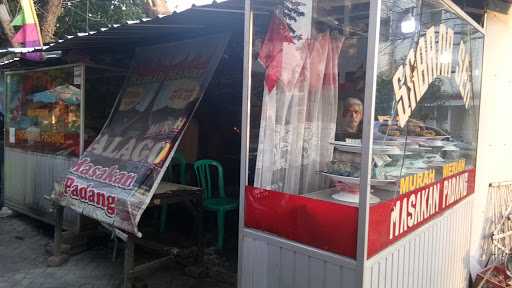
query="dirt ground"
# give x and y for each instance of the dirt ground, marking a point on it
(23, 263)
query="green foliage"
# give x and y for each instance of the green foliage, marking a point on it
(101, 14)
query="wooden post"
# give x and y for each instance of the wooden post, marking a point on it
(129, 254)
(58, 257)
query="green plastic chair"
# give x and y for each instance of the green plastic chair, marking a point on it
(220, 203)
(177, 161)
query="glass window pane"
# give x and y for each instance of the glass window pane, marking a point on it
(43, 110)
(308, 75)
(426, 116)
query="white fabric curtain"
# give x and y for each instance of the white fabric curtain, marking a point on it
(298, 118)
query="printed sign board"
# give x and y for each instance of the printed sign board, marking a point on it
(394, 219)
(116, 177)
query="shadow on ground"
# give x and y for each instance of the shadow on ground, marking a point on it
(23, 263)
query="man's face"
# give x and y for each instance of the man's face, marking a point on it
(352, 115)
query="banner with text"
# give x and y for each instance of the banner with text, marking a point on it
(394, 219)
(116, 177)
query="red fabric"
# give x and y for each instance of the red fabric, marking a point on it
(380, 215)
(331, 226)
(271, 53)
(321, 224)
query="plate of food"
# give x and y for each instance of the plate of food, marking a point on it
(354, 180)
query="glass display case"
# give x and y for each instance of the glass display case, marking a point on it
(43, 110)
(51, 115)
(307, 99)
(362, 128)
(427, 106)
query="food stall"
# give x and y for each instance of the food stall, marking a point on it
(359, 140)
(48, 123)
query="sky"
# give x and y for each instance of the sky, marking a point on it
(180, 5)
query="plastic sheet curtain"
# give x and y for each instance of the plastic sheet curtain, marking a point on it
(299, 108)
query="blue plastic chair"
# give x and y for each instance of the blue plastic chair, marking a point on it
(220, 204)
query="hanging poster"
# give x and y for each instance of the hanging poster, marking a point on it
(116, 177)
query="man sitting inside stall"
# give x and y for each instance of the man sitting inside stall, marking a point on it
(349, 127)
(351, 120)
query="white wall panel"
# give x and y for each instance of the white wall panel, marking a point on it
(494, 144)
(436, 255)
(29, 178)
(270, 262)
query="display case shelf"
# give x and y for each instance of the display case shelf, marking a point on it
(356, 148)
(346, 147)
(355, 180)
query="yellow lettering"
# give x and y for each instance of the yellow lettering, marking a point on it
(404, 185)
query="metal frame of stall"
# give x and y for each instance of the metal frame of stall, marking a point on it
(71, 220)
(359, 272)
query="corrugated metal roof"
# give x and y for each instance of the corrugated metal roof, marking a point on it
(216, 16)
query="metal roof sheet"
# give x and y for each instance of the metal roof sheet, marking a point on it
(227, 15)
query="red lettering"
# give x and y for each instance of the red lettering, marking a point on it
(82, 193)
(78, 165)
(129, 180)
(68, 184)
(111, 205)
(109, 177)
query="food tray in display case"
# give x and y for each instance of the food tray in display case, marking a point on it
(353, 197)
(356, 148)
(347, 146)
(354, 180)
